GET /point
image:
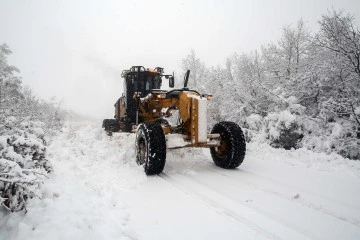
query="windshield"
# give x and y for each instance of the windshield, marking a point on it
(152, 82)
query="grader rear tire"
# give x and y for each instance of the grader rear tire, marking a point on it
(111, 125)
(231, 152)
(150, 147)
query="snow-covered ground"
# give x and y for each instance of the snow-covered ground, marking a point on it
(97, 191)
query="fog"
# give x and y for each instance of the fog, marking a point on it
(76, 50)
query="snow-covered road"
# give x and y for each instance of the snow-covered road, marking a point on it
(97, 191)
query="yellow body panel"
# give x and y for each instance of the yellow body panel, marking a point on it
(188, 105)
(184, 106)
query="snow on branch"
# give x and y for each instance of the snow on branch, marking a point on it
(23, 166)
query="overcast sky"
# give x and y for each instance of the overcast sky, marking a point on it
(76, 50)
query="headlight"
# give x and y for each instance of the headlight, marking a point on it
(161, 95)
(207, 96)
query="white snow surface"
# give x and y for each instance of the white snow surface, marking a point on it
(97, 191)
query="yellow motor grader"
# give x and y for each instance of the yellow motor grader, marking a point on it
(145, 109)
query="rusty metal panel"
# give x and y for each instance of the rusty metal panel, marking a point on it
(184, 106)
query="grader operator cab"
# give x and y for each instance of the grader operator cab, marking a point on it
(144, 108)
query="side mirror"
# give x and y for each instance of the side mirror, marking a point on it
(171, 81)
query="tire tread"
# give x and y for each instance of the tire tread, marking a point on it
(237, 145)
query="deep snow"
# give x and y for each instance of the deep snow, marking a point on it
(98, 192)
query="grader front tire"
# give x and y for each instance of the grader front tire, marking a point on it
(231, 152)
(150, 147)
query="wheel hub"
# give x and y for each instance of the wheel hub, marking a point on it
(141, 151)
(221, 150)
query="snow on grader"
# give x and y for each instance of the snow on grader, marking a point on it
(145, 109)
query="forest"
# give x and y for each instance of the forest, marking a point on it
(301, 91)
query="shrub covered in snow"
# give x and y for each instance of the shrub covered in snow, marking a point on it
(23, 164)
(284, 130)
(336, 135)
(291, 130)
(280, 130)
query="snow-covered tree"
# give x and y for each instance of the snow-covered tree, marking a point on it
(298, 91)
(25, 122)
(10, 85)
(21, 102)
(341, 40)
(197, 69)
(286, 62)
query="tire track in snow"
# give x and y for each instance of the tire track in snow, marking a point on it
(300, 201)
(265, 212)
(253, 221)
(231, 174)
(307, 191)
